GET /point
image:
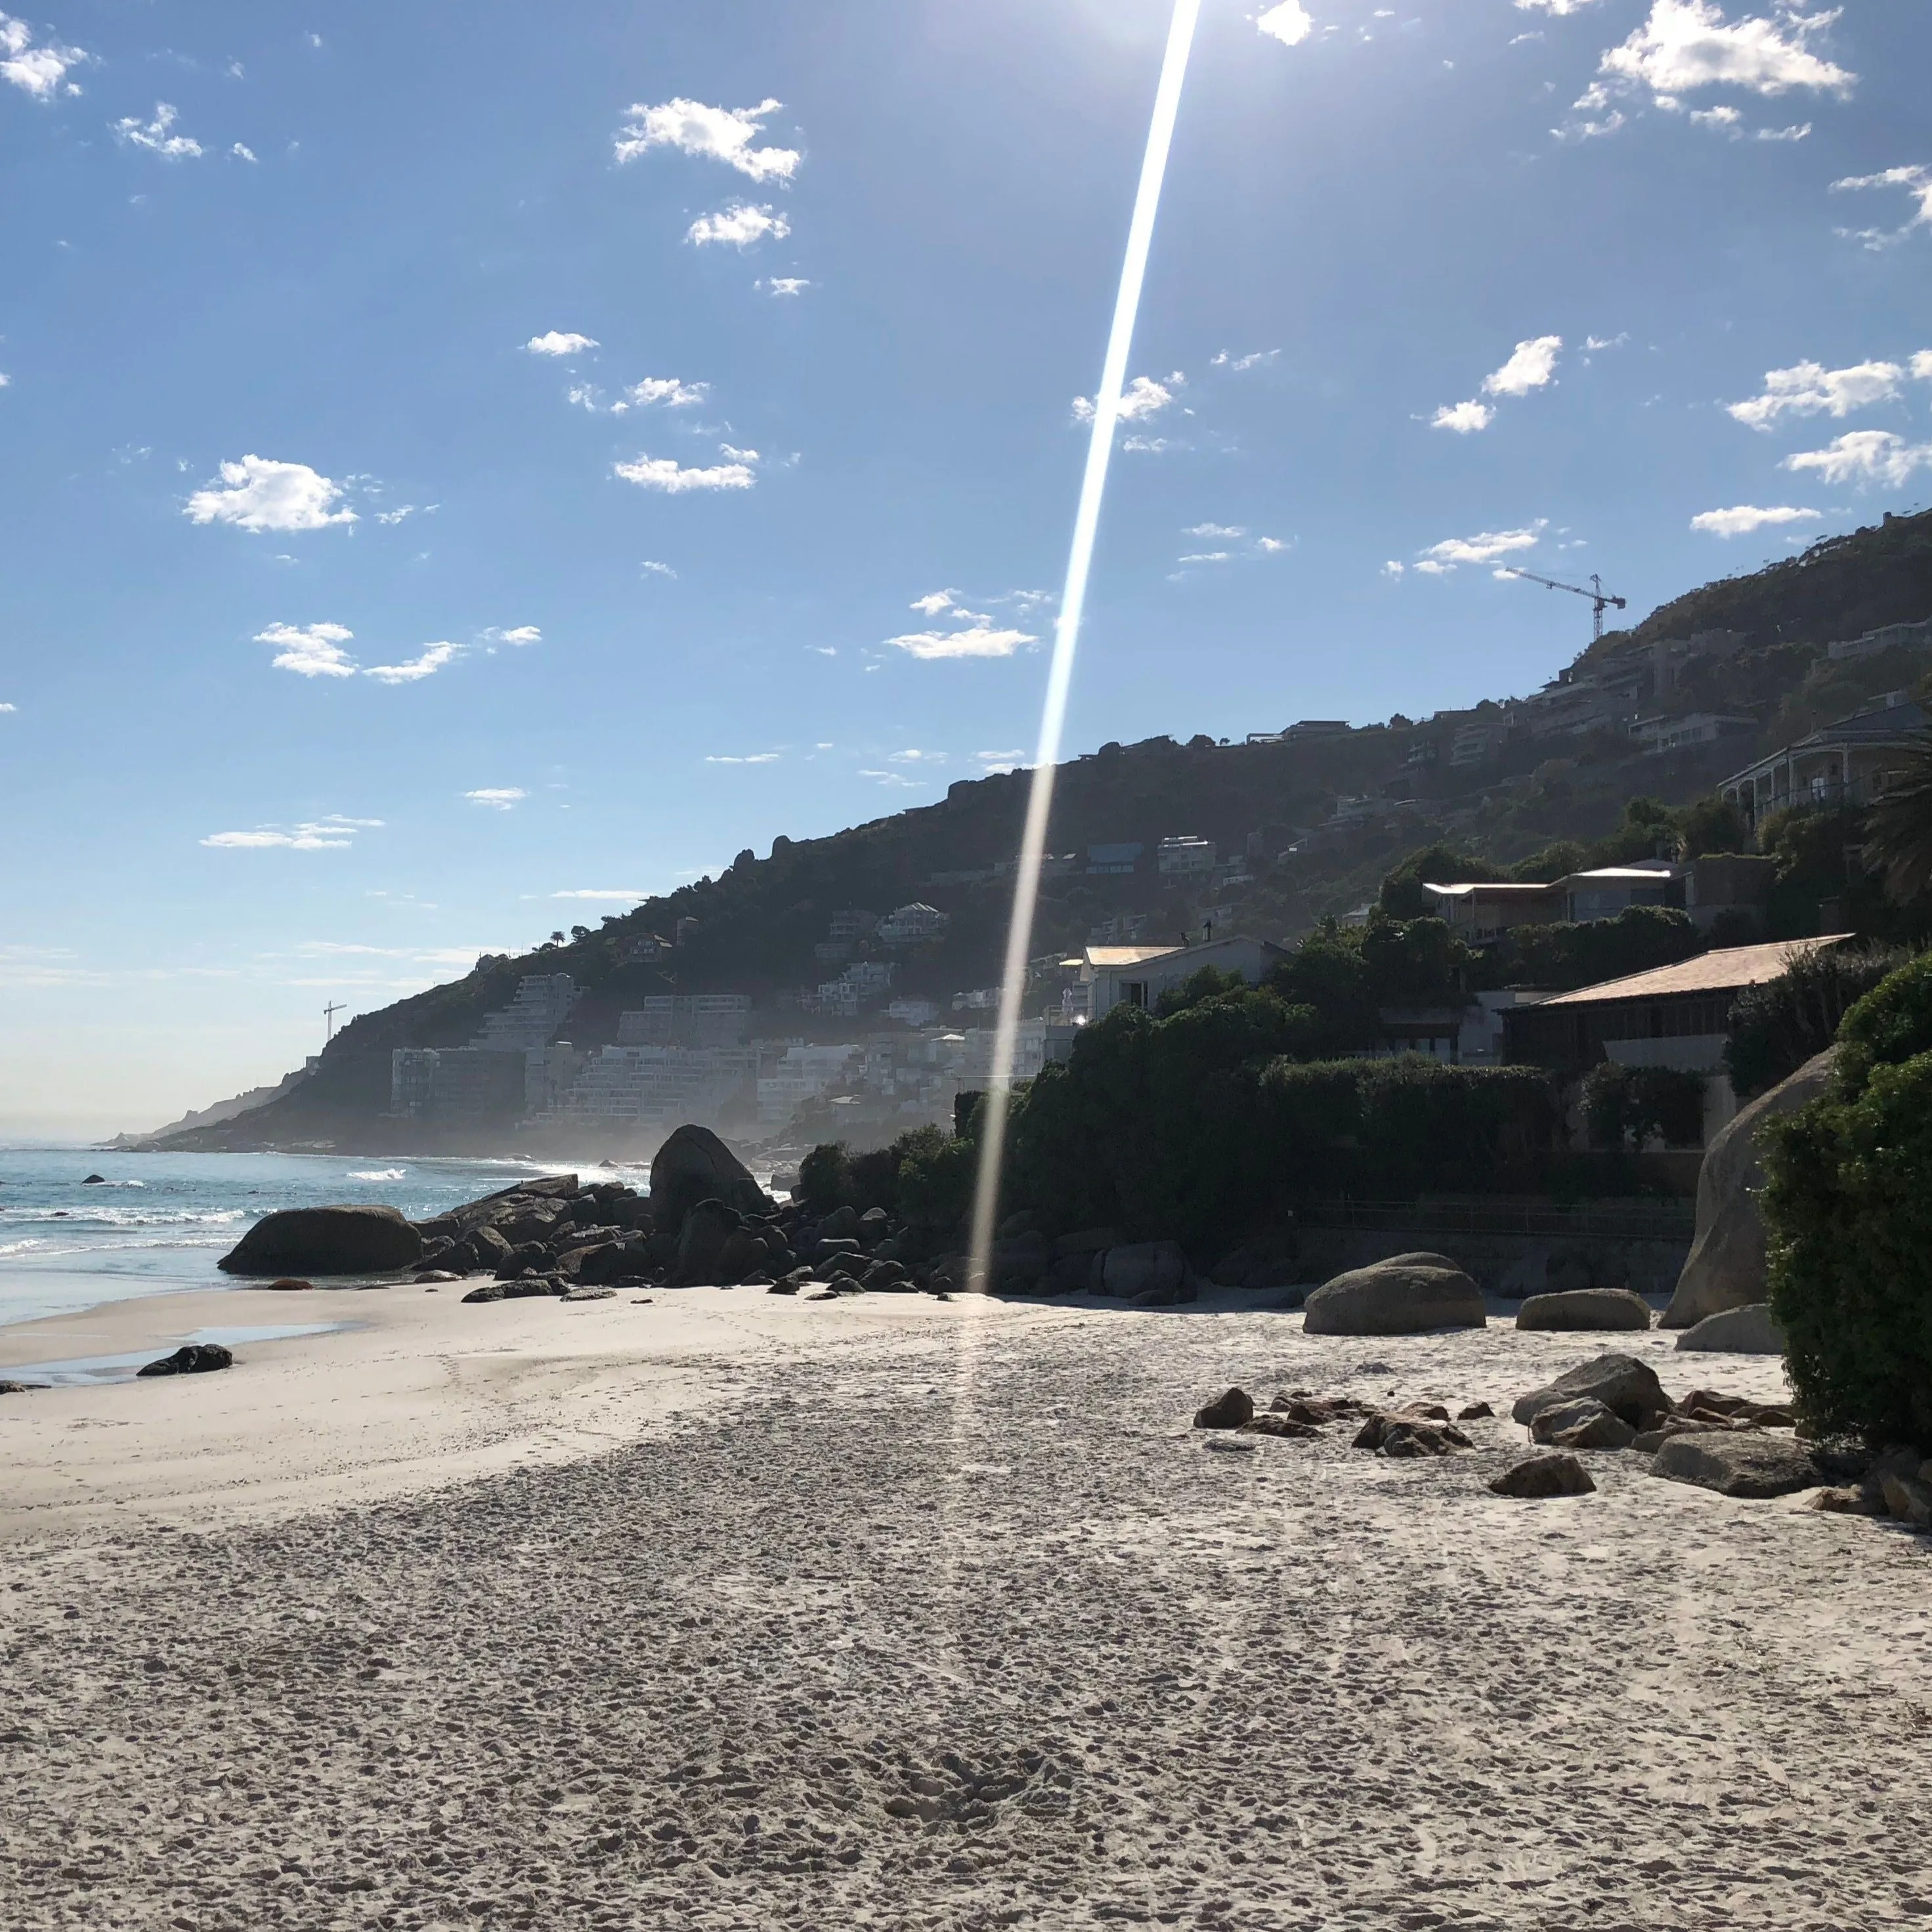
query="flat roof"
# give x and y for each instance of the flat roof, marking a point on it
(1660, 870)
(1732, 967)
(1125, 955)
(1473, 886)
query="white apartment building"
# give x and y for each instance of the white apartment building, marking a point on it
(542, 1004)
(687, 1019)
(912, 925)
(805, 1073)
(651, 1085)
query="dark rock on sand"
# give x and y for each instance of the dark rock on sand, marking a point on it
(1620, 1383)
(1748, 1331)
(1409, 1294)
(1402, 1434)
(1234, 1410)
(1536, 1477)
(289, 1285)
(1742, 1462)
(1475, 1412)
(1582, 1423)
(21, 1388)
(695, 1166)
(326, 1240)
(192, 1358)
(702, 1232)
(1585, 1308)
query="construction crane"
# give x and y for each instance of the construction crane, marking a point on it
(329, 1013)
(1600, 599)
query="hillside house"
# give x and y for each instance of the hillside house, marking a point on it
(1479, 912)
(1850, 761)
(1137, 976)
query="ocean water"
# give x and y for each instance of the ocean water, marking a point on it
(156, 1223)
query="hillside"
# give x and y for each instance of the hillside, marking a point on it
(1304, 826)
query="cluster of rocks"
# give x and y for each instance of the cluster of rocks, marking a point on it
(1416, 1430)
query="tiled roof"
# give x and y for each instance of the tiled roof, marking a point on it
(1730, 969)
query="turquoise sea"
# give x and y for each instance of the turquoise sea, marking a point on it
(156, 1223)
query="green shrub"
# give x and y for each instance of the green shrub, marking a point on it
(1848, 1209)
(936, 1173)
(1562, 957)
(1893, 1022)
(1775, 1028)
(1625, 1106)
(825, 1178)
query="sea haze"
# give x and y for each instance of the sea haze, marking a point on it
(156, 1224)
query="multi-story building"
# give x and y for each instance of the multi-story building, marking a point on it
(912, 925)
(1185, 857)
(457, 1086)
(1113, 861)
(1661, 734)
(852, 925)
(1889, 637)
(542, 1004)
(805, 1072)
(687, 1019)
(652, 1085)
(1849, 762)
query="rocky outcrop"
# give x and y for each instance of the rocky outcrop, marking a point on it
(1582, 1423)
(192, 1358)
(1585, 1308)
(1727, 1267)
(1234, 1410)
(1537, 1477)
(1744, 1463)
(1625, 1386)
(1737, 1331)
(695, 1166)
(1148, 1272)
(1411, 1294)
(706, 1227)
(326, 1240)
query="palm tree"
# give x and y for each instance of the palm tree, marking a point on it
(1898, 826)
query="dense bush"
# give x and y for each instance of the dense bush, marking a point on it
(1848, 1209)
(1625, 1106)
(1775, 1028)
(1562, 956)
(925, 1175)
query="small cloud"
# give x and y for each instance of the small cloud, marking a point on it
(651, 567)
(242, 152)
(400, 515)
(668, 390)
(615, 894)
(664, 473)
(1810, 389)
(751, 758)
(1259, 358)
(1288, 23)
(1743, 518)
(824, 650)
(715, 133)
(40, 71)
(934, 603)
(738, 226)
(917, 757)
(310, 650)
(1142, 398)
(259, 494)
(1594, 343)
(524, 633)
(1209, 557)
(979, 640)
(157, 136)
(1148, 445)
(1229, 531)
(897, 779)
(1917, 181)
(1532, 365)
(1001, 757)
(1393, 568)
(783, 285)
(497, 798)
(432, 659)
(557, 342)
(1485, 547)
(7, 709)
(1865, 456)
(1274, 546)
(332, 834)
(1464, 419)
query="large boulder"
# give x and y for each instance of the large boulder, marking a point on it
(326, 1240)
(1726, 1266)
(1585, 1308)
(1581, 1422)
(708, 1228)
(1410, 1295)
(191, 1358)
(1540, 1476)
(1737, 1331)
(1745, 1463)
(1155, 1268)
(695, 1166)
(1624, 1385)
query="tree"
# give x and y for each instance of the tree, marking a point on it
(1711, 824)
(1401, 895)
(1898, 827)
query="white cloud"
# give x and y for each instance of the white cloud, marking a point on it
(524, 633)
(651, 567)
(1530, 366)
(979, 639)
(784, 285)
(1593, 343)
(717, 134)
(1148, 445)
(1288, 23)
(1560, 8)
(612, 892)
(157, 136)
(934, 603)
(9, 708)
(243, 152)
(1922, 365)
(6, 381)
(1393, 568)
(752, 758)
(310, 650)
(557, 342)
(1001, 757)
(739, 225)
(1865, 456)
(1483, 547)
(259, 494)
(1260, 358)
(497, 798)
(1142, 398)
(1209, 557)
(1227, 531)
(1464, 419)
(40, 71)
(1688, 43)
(333, 833)
(432, 659)
(663, 472)
(665, 389)
(1916, 181)
(917, 757)
(1273, 546)
(1810, 389)
(401, 515)
(1743, 518)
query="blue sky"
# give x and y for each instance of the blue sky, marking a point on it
(447, 471)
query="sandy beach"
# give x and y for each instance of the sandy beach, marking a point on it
(730, 1611)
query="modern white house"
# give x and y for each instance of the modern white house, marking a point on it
(1137, 976)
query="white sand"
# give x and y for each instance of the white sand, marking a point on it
(731, 1575)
